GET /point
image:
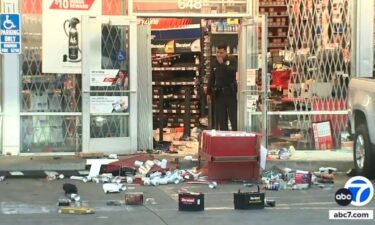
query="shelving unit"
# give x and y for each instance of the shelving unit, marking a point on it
(175, 76)
(278, 24)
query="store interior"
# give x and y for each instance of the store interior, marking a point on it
(308, 69)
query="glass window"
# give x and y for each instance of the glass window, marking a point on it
(114, 52)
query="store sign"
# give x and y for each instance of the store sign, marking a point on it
(72, 4)
(62, 46)
(10, 33)
(109, 104)
(189, 4)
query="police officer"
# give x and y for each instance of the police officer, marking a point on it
(222, 89)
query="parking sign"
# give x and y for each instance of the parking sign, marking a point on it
(10, 33)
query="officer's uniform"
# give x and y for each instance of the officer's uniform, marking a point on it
(222, 87)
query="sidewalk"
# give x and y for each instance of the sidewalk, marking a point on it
(70, 165)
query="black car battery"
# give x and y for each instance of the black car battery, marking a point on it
(190, 201)
(249, 200)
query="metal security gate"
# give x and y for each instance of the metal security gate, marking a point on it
(319, 57)
(50, 103)
(109, 84)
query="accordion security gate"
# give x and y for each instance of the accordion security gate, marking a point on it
(51, 104)
(319, 48)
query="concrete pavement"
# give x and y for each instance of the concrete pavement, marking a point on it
(33, 201)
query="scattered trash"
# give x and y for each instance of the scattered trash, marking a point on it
(188, 158)
(212, 185)
(270, 203)
(146, 167)
(150, 201)
(274, 186)
(112, 156)
(51, 175)
(138, 163)
(284, 153)
(134, 198)
(113, 188)
(114, 203)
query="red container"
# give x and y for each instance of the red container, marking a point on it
(230, 145)
(233, 170)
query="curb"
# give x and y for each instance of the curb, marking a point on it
(40, 173)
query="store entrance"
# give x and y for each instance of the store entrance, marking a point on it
(253, 78)
(109, 83)
(183, 52)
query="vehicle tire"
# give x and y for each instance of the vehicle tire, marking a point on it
(362, 152)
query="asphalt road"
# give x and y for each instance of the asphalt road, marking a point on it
(33, 201)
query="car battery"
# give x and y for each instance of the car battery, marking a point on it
(248, 200)
(190, 201)
(63, 202)
(134, 198)
(76, 210)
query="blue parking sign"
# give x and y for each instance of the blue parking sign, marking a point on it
(10, 33)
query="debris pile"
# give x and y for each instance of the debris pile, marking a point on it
(281, 179)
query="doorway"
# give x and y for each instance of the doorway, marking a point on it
(109, 83)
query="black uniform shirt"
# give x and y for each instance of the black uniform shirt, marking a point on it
(222, 75)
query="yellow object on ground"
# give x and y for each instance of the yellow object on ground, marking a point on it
(76, 210)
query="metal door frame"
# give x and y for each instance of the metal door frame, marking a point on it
(248, 45)
(91, 36)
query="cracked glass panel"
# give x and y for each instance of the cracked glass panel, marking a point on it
(110, 104)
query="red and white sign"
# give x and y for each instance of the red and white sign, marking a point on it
(100, 78)
(323, 135)
(72, 4)
(62, 33)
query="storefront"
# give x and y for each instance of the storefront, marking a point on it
(55, 104)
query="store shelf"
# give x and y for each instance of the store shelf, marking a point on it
(230, 54)
(224, 32)
(173, 83)
(175, 97)
(288, 139)
(284, 36)
(270, 6)
(273, 26)
(275, 16)
(190, 68)
(175, 111)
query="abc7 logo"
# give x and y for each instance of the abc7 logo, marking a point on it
(343, 197)
(358, 191)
